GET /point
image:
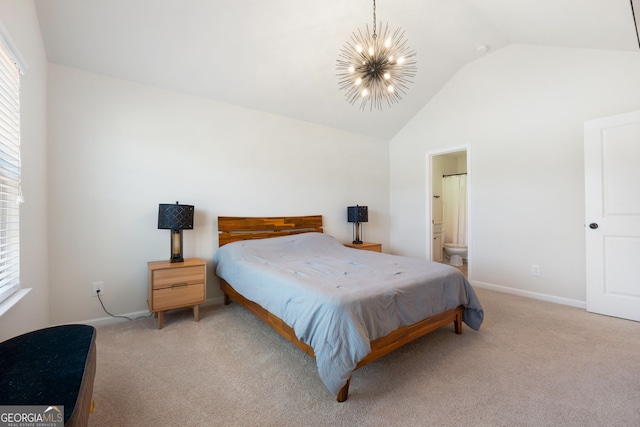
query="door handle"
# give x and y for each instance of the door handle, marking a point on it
(593, 226)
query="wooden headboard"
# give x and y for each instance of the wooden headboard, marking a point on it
(234, 228)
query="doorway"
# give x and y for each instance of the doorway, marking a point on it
(447, 213)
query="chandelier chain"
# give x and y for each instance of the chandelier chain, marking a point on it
(374, 19)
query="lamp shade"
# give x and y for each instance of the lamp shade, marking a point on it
(175, 217)
(357, 214)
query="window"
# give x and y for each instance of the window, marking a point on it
(10, 195)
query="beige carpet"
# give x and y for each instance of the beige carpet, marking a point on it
(533, 363)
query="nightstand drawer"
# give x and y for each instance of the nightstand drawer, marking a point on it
(166, 278)
(178, 295)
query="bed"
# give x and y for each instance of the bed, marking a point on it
(344, 307)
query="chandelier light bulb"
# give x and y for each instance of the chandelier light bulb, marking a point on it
(368, 71)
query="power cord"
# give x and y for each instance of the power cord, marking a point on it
(116, 315)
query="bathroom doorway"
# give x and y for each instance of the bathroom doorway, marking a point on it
(448, 213)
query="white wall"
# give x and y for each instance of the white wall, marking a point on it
(521, 111)
(118, 149)
(32, 312)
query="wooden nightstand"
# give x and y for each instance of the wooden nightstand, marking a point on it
(176, 285)
(366, 246)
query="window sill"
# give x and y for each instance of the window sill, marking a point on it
(12, 300)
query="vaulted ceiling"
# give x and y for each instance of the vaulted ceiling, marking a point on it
(279, 56)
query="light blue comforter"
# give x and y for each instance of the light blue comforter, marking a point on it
(338, 299)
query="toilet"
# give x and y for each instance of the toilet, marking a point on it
(456, 253)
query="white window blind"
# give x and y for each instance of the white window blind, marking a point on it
(9, 174)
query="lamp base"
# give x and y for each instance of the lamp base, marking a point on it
(176, 246)
(356, 232)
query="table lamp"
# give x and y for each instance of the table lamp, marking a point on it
(175, 218)
(357, 214)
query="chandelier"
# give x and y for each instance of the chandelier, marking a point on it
(375, 70)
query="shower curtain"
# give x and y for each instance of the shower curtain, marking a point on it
(454, 195)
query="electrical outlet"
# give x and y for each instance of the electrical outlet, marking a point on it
(535, 269)
(98, 286)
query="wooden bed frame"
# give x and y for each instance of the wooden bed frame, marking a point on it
(233, 229)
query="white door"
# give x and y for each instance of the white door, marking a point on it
(612, 202)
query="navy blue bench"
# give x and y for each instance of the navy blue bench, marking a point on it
(51, 366)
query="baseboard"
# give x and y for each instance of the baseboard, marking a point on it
(106, 321)
(530, 294)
